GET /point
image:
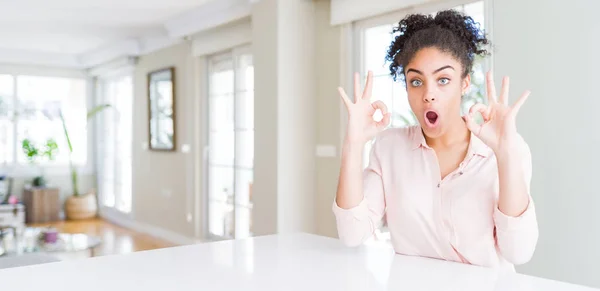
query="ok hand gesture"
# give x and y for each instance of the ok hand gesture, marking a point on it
(499, 130)
(361, 125)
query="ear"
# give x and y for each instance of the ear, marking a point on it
(466, 84)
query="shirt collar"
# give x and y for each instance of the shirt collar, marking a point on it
(476, 146)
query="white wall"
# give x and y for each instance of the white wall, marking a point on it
(285, 87)
(265, 57)
(164, 182)
(552, 49)
(328, 108)
(297, 118)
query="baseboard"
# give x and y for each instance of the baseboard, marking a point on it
(127, 222)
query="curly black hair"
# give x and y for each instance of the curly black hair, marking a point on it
(449, 31)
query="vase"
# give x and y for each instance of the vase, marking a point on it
(81, 207)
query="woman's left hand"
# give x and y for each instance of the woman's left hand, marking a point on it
(499, 130)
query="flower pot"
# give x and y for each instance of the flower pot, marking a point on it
(81, 207)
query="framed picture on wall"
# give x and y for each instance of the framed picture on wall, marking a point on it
(161, 109)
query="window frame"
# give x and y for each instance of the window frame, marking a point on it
(24, 170)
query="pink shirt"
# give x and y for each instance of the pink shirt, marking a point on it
(455, 219)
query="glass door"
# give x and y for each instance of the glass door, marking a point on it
(115, 143)
(230, 162)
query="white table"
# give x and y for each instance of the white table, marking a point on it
(281, 262)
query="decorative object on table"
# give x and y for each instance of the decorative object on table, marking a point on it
(35, 154)
(41, 204)
(80, 206)
(50, 235)
(5, 189)
(51, 241)
(161, 110)
(13, 200)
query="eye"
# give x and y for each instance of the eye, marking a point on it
(444, 81)
(416, 83)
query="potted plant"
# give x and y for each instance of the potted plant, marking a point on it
(34, 154)
(40, 200)
(80, 205)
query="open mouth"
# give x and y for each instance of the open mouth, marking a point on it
(431, 118)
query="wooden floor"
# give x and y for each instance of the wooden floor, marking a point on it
(115, 239)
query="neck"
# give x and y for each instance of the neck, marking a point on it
(456, 134)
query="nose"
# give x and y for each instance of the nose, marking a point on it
(429, 94)
(428, 98)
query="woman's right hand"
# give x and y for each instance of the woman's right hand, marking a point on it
(361, 125)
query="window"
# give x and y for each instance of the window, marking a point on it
(374, 37)
(29, 109)
(115, 129)
(230, 160)
(7, 138)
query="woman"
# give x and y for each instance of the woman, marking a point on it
(449, 188)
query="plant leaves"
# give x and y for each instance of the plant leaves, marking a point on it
(96, 110)
(62, 119)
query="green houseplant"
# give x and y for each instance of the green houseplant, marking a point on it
(80, 206)
(34, 154)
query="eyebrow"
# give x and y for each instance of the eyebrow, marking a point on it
(421, 73)
(443, 68)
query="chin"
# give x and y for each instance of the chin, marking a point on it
(432, 132)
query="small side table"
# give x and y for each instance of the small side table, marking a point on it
(41, 204)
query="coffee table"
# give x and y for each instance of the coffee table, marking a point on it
(30, 241)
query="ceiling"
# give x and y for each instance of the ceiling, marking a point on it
(82, 33)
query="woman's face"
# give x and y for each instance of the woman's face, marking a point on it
(435, 86)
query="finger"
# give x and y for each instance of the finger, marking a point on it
(520, 101)
(356, 87)
(491, 89)
(381, 106)
(368, 86)
(385, 121)
(471, 124)
(504, 92)
(344, 97)
(481, 108)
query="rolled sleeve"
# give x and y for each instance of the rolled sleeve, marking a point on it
(517, 236)
(357, 224)
(358, 212)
